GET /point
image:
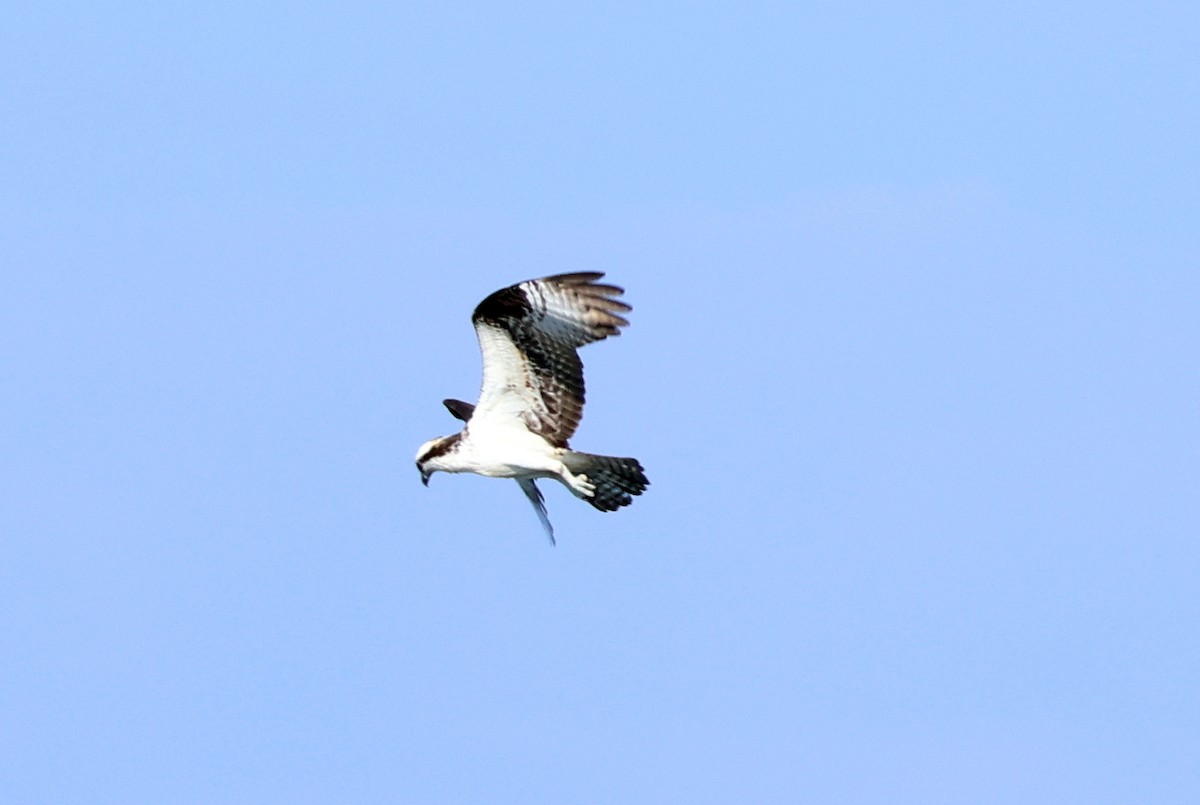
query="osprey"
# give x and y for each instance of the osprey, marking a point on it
(532, 395)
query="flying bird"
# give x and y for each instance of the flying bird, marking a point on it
(532, 396)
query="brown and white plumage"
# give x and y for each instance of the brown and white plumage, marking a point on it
(529, 334)
(532, 395)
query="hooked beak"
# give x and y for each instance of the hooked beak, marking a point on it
(425, 477)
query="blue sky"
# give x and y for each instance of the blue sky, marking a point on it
(912, 368)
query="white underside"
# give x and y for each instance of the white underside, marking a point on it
(505, 451)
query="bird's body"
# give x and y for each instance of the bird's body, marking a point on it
(532, 396)
(500, 452)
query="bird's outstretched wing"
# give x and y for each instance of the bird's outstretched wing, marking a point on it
(528, 336)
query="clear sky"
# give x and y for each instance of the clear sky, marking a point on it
(912, 368)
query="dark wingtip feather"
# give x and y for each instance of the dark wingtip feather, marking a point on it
(459, 409)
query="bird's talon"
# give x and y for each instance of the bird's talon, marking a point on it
(583, 486)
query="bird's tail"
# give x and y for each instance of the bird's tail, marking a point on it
(617, 480)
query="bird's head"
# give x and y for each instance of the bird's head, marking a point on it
(431, 456)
